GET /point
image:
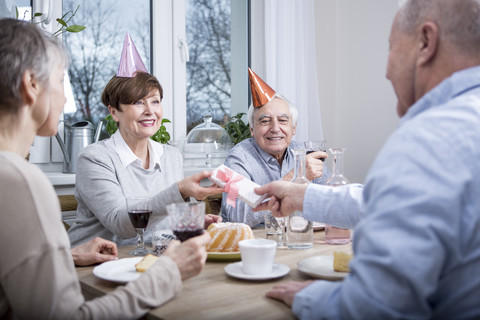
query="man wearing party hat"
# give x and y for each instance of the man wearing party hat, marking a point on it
(267, 156)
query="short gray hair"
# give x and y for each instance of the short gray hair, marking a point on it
(24, 47)
(291, 106)
(458, 20)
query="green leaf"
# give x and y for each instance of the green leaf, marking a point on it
(61, 22)
(111, 125)
(37, 14)
(237, 129)
(75, 28)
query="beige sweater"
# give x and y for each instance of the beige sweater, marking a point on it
(37, 274)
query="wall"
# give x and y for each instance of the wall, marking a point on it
(358, 105)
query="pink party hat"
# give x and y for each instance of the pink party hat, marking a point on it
(130, 61)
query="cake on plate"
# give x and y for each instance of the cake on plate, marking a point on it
(226, 235)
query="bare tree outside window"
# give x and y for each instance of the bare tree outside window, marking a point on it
(95, 52)
(209, 68)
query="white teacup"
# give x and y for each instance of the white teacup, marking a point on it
(257, 256)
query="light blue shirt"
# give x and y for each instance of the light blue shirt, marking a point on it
(417, 247)
(249, 160)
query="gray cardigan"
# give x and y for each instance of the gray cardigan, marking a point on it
(103, 183)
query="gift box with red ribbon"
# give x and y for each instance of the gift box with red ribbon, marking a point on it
(237, 186)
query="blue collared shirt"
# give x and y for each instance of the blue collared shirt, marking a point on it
(249, 160)
(417, 247)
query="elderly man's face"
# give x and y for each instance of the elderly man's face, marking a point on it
(401, 68)
(273, 127)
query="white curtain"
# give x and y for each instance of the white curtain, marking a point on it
(290, 60)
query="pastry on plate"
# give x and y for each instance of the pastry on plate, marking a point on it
(341, 261)
(146, 263)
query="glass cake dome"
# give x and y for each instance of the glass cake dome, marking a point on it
(207, 145)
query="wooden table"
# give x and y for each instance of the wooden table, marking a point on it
(215, 295)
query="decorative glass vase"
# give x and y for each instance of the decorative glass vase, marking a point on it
(335, 235)
(299, 229)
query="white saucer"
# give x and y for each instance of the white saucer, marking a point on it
(235, 270)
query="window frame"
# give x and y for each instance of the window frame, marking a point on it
(45, 151)
(168, 65)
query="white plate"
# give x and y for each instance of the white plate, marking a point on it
(223, 256)
(235, 270)
(320, 267)
(120, 271)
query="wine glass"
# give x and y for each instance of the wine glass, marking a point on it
(187, 219)
(316, 145)
(139, 211)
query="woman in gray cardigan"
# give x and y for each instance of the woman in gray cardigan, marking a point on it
(130, 164)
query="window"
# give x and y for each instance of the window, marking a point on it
(95, 52)
(209, 64)
(213, 36)
(165, 41)
(24, 7)
(40, 152)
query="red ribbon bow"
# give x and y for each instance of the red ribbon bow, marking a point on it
(230, 187)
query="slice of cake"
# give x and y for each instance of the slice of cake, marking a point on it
(340, 261)
(146, 263)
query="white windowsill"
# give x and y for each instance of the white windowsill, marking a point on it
(64, 183)
(61, 179)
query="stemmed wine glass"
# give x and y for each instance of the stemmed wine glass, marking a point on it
(312, 146)
(139, 211)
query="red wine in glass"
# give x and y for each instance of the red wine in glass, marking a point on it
(184, 235)
(310, 151)
(139, 218)
(139, 211)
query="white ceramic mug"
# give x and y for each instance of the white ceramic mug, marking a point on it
(257, 256)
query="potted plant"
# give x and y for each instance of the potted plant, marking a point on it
(237, 128)
(63, 21)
